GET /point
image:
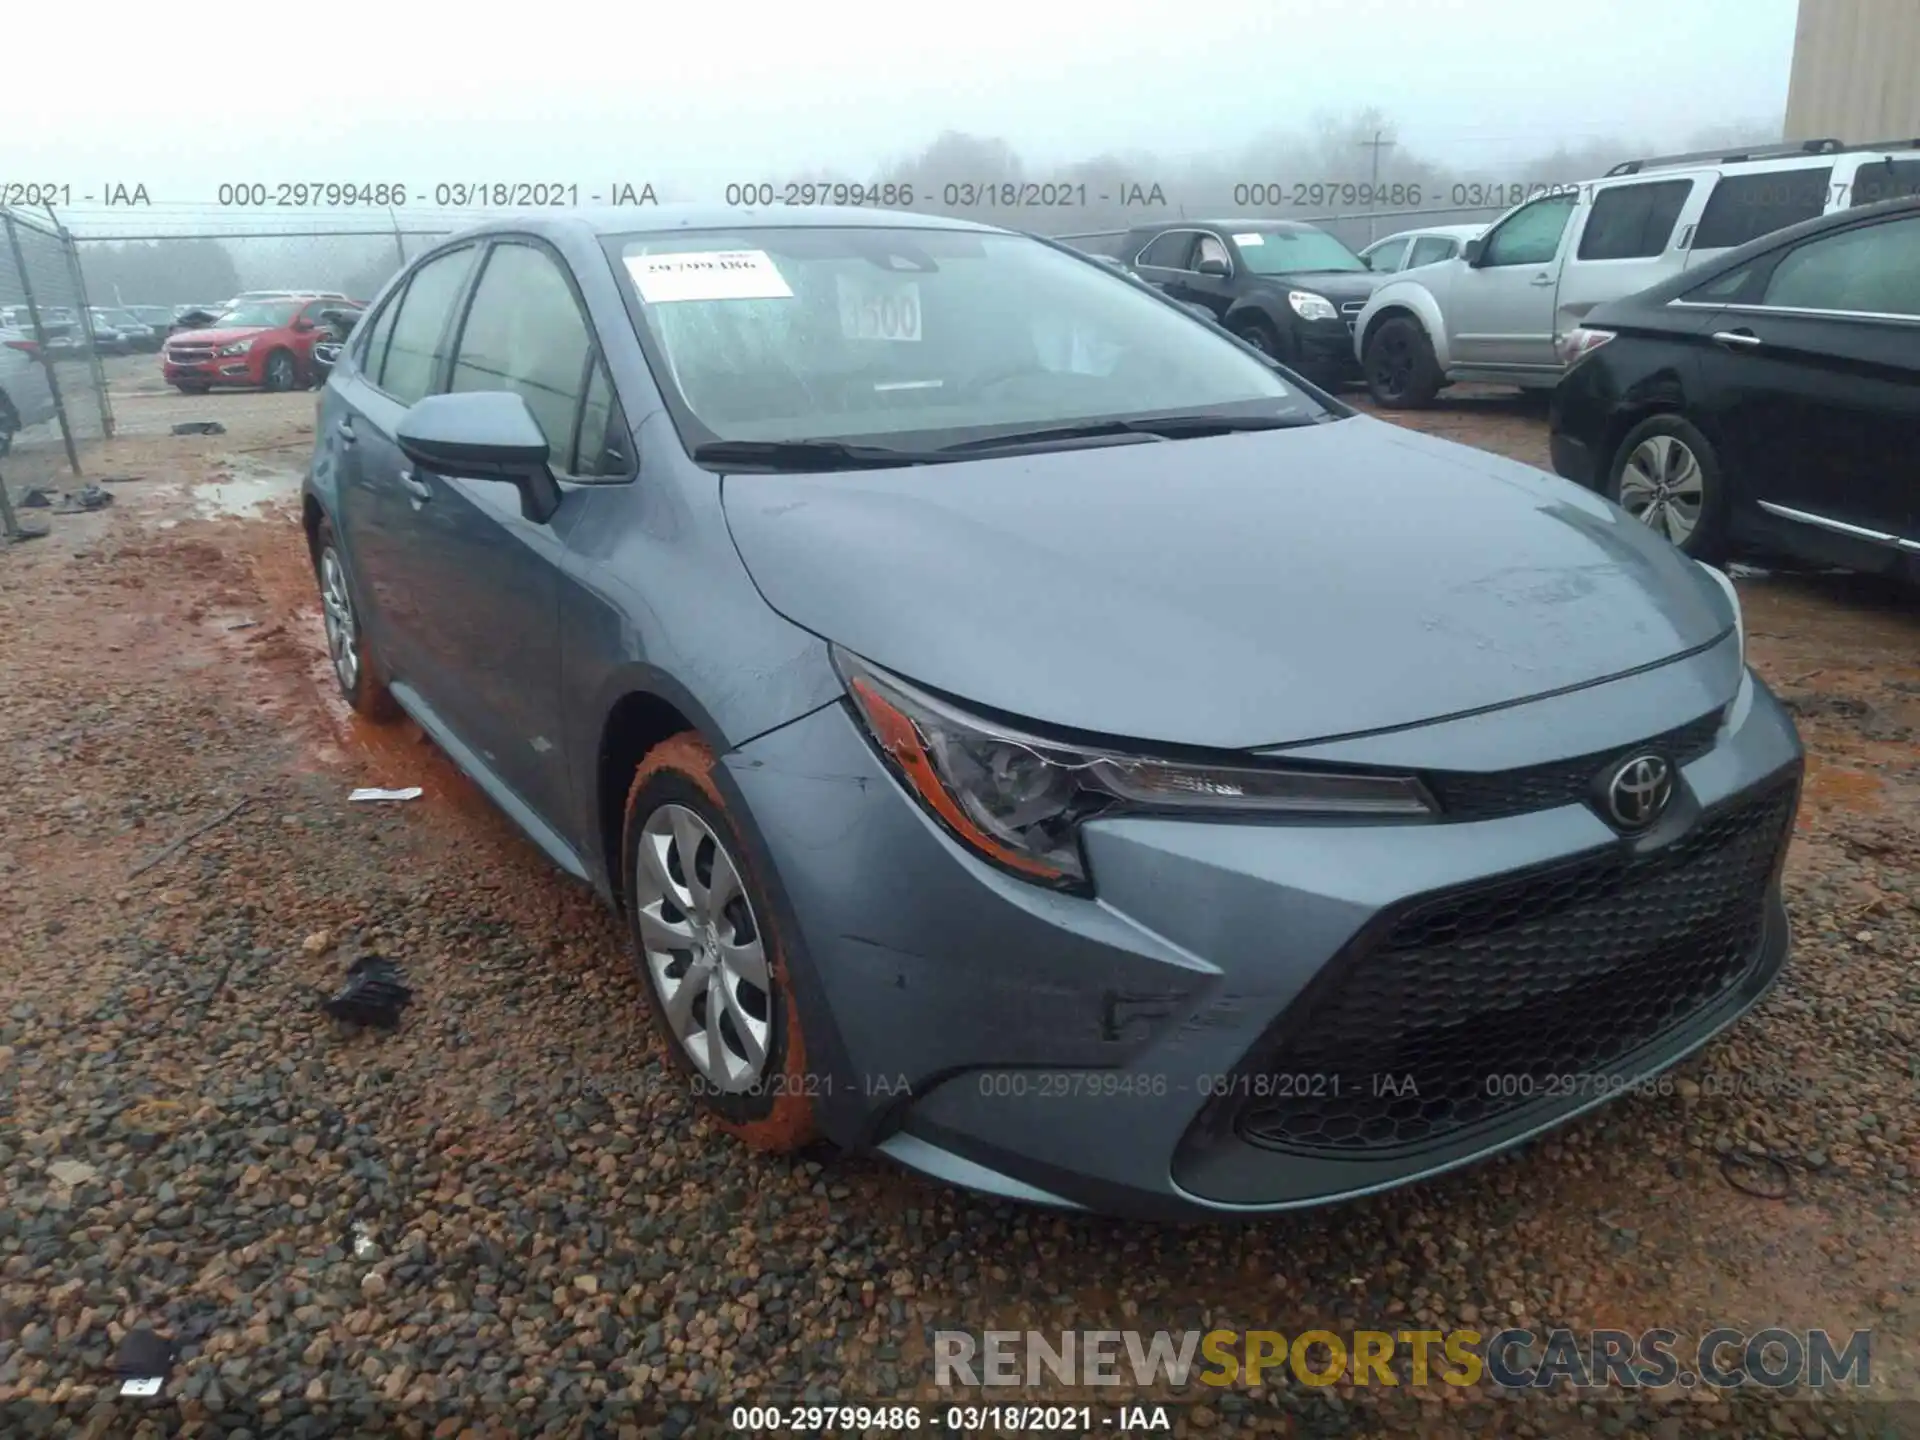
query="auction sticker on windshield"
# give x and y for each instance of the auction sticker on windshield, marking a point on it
(879, 310)
(1250, 239)
(708, 275)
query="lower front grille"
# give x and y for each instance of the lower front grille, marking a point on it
(1474, 1003)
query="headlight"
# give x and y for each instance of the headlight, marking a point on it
(1309, 306)
(1019, 800)
(239, 347)
(1580, 342)
(1733, 599)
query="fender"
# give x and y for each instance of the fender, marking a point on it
(1410, 297)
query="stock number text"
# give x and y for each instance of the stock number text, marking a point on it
(818, 192)
(297, 194)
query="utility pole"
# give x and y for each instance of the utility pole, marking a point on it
(1376, 144)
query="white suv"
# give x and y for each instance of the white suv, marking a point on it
(1502, 311)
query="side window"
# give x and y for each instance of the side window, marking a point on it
(1169, 251)
(1431, 249)
(1531, 235)
(1212, 247)
(1633, 222)
(602, 450)
(1728, 288)
(371, 353)
(1875, 270)
(418, 343)
(525, 333)
(1879, 180)
(1386, 257)
(1745, 207)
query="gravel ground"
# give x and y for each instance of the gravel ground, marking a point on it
(508, 1206)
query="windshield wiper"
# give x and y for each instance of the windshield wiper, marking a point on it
(1159, 427)
(808, 455)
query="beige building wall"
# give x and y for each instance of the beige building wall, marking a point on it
(1856, 71)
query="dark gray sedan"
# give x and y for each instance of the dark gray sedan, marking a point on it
(1027, 732)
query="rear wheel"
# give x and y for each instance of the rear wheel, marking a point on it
(355, 669)
(1666, 475)
(705, 940)
(1401, 371)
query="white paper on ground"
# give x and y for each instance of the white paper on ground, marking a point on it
(1244, 240)
(708, 275)
(412, 792)
(150, 1385)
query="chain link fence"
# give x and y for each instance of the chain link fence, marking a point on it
(53, 388)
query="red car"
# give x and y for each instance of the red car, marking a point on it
(267, 344)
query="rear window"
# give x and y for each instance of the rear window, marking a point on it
(1745, 207)
(1633, 222)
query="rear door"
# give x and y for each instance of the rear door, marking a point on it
(1814, 382)
(1631, 235)
(380, 498)
(1500, 310)
(1746, 205)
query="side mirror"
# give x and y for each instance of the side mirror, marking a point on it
(483, 435)
(1472, 251)
(1219, 269)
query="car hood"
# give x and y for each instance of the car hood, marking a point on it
(221, 337)
(1336, 285)
(1241, 592)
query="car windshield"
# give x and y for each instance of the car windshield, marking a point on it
(1290, 252)
(268, 313)
(850, 332)
(121, 317)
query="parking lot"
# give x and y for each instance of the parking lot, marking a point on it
(510, 1200)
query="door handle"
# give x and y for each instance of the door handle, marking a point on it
(416, 487)
(344, 429)
(1541, 280)
(1736, 339)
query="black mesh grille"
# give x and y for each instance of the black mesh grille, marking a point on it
(1495, 997)
(1466, 796)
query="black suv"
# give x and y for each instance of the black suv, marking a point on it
(1288, 289)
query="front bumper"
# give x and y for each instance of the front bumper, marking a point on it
(1155, 1050)
(211, 370)
(1324, 349)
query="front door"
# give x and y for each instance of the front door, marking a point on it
(1500, 309)
(493, 609)
(1814, 382)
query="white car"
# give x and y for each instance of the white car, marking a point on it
(25, 398)
(1504, 309)
(1410, 249)
(247, 297)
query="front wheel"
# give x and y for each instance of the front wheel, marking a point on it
(1261, 335)
(281, 371)
(1666, 475)
(1401, 371)
(706, 940)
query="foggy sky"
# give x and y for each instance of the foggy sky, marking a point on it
(692, 96)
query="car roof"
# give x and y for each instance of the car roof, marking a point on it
(652, 219)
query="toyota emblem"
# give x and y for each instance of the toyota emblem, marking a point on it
(1638, 791)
